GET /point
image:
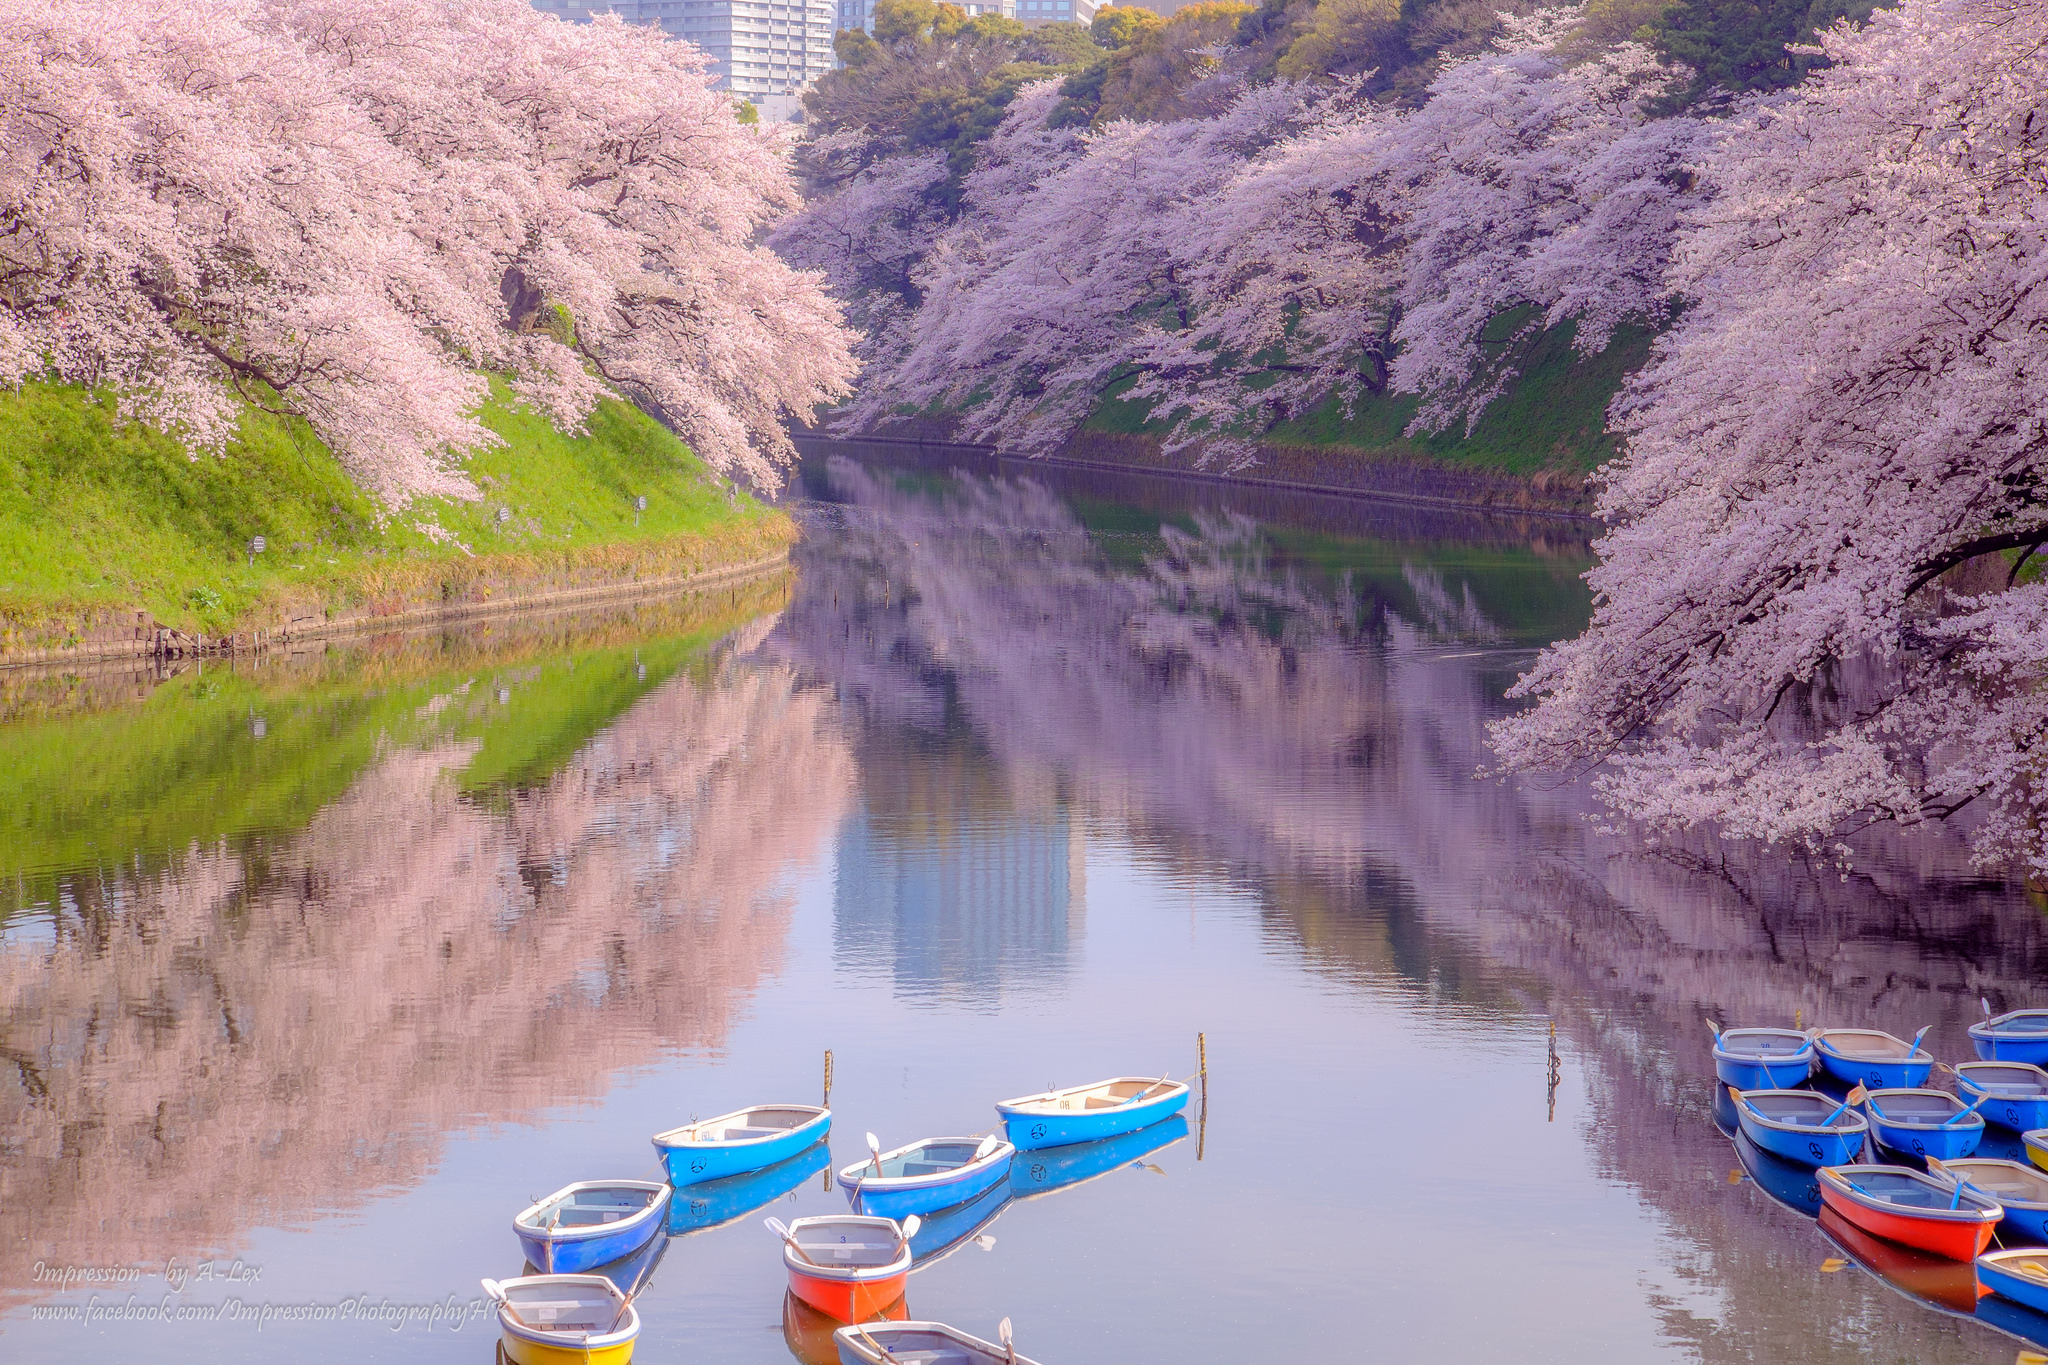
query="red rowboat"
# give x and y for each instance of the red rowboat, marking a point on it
(1912, 1209)
(850, 1267)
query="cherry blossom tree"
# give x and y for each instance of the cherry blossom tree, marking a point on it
(345, 210)
(1304, 242)
(1811, 606)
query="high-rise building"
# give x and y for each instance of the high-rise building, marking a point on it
(1055, 11)
(766, 51)
(861, 13)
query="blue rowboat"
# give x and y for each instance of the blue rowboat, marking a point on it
(1050, 1169)
(2020, 1275)
(1089, 1113)
(1802, 1125)
(930, 1343)
(1763, 1058)
(714, 1203)
(2018, 1091)
(1866, 1056)
(1790, 1183)
(2015, 1036)
(744, 1140)
(2019, 1189)
(925, 1176)
(591, 1223)
(1924, 1123)
(945, 1232)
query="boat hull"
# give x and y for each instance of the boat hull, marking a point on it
(575, 1250)
(1029, 1131)
(694, 1163)
(848, 1300)
(562, 1257)
(523, 1352)
(1926, 1140)
(1956, 1240)
(1876, 1073)
(898, 1197)
(1805, 1146)
(1993, 1045)
(2021, 1289)
(1751, 1074)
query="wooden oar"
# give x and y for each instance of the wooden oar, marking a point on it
(884, 1351)
(1961, 1114)
(1150, 1088)
(639, 1281)
(1857, 1095)
(875, 1148)
(781, 1229)
(1940, 1168)
(1916, 1041)
(906, 1230)
(1009, 1345)
(1714, 1029)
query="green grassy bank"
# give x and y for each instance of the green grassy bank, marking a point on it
(1552, 417)
(99, 518)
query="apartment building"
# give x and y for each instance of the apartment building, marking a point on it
(765, 51)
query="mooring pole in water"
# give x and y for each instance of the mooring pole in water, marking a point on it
(1202, 1068)
(1556, 1071)
(827, 1186)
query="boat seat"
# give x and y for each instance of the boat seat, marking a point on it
(590, 1218)
(930, 1167)
(1095, 1103)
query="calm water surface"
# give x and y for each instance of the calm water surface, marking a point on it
(316, 972)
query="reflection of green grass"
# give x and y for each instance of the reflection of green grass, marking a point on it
(1531, 595)
(187, 766)
(99, 515)
(1552, 416)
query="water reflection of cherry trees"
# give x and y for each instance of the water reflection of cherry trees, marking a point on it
(1318, 743)
(255, 1034)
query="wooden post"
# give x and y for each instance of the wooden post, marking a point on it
(826, 1185)
(1202, 1069)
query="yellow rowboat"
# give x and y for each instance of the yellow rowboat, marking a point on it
(564, 1320)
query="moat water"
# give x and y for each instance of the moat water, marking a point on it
(317, 969)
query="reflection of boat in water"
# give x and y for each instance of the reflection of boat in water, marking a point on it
(808, 1333)
(1724, 1112)
(1936, 1280)
(1789, 1183)
(942, 1233)
(1058, 1168)
(628, 1272)
(2014, 1319)
(714, 1203)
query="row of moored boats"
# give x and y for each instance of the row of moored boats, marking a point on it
(1953, 1205)
(851, 1267)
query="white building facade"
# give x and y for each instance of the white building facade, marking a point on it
(764, 51)
(861, 13)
